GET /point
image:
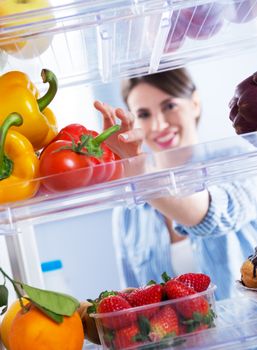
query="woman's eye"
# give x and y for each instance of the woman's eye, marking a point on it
(169, 106)
(143, 115)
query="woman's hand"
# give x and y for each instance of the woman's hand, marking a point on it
(127, 142)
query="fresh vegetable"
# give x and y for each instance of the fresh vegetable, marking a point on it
(18, 163)
(203, 21)
(177, 32)
(243, 105)
(198, 281)
(74, 155)
(11, 7)
(19, 94)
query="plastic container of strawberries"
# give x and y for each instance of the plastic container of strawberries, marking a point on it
(150, 326)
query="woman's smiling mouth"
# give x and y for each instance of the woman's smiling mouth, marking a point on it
(167, 139)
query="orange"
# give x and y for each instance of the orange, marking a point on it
(7, 320)
(33, 330)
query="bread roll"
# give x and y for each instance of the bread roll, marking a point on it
(249, 271)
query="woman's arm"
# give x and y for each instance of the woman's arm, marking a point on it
(188, 211)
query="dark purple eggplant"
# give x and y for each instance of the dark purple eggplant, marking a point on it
(243, 106)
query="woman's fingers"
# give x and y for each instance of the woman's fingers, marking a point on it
(127, 142)
(134, 135)
(127, 119)
(107, 112)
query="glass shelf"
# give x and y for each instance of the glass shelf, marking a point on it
(174, 172)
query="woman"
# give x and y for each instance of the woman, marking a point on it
(221, 223)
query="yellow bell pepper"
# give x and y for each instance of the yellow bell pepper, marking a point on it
(19, 94)
(18, 163)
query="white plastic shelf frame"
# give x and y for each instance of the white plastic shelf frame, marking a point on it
(96, 41)
(174, 172)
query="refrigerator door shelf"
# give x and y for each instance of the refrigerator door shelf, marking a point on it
(90, 42)
(173, 172)
(236, 329)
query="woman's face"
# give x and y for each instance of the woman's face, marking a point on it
(167, 121)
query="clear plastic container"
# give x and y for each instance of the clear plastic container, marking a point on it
(149, 326)
(235, 328)
(88, 41)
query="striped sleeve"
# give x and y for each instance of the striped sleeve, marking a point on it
(232, 206)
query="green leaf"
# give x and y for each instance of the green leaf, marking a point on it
(144, 325)
(91, 309)
(55, 317)
(197, 316)
(3, 295)
(187, 322)
(105, 294)
(61, 304)
(151, 282)
(165, 277)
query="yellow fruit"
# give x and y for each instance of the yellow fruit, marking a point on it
(33, 330)
(12, 46)
(7, 320)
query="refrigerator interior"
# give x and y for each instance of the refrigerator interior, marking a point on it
(58, 241)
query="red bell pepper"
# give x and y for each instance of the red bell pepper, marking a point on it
(79, 156)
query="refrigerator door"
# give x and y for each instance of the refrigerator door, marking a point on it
(91, 42)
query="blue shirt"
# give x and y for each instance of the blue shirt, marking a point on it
(221, 242)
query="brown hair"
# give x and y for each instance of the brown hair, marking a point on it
(176, 82)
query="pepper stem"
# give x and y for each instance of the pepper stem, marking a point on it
(6, 164)
(48, 77)
(93, 144)
(105, 135)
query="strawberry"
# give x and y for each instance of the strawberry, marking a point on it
(114, 303)
(123, 295)
(194, 308)
(164, 323)
(149, 294)
(127, 337)
(174, 289)
(198, 281)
